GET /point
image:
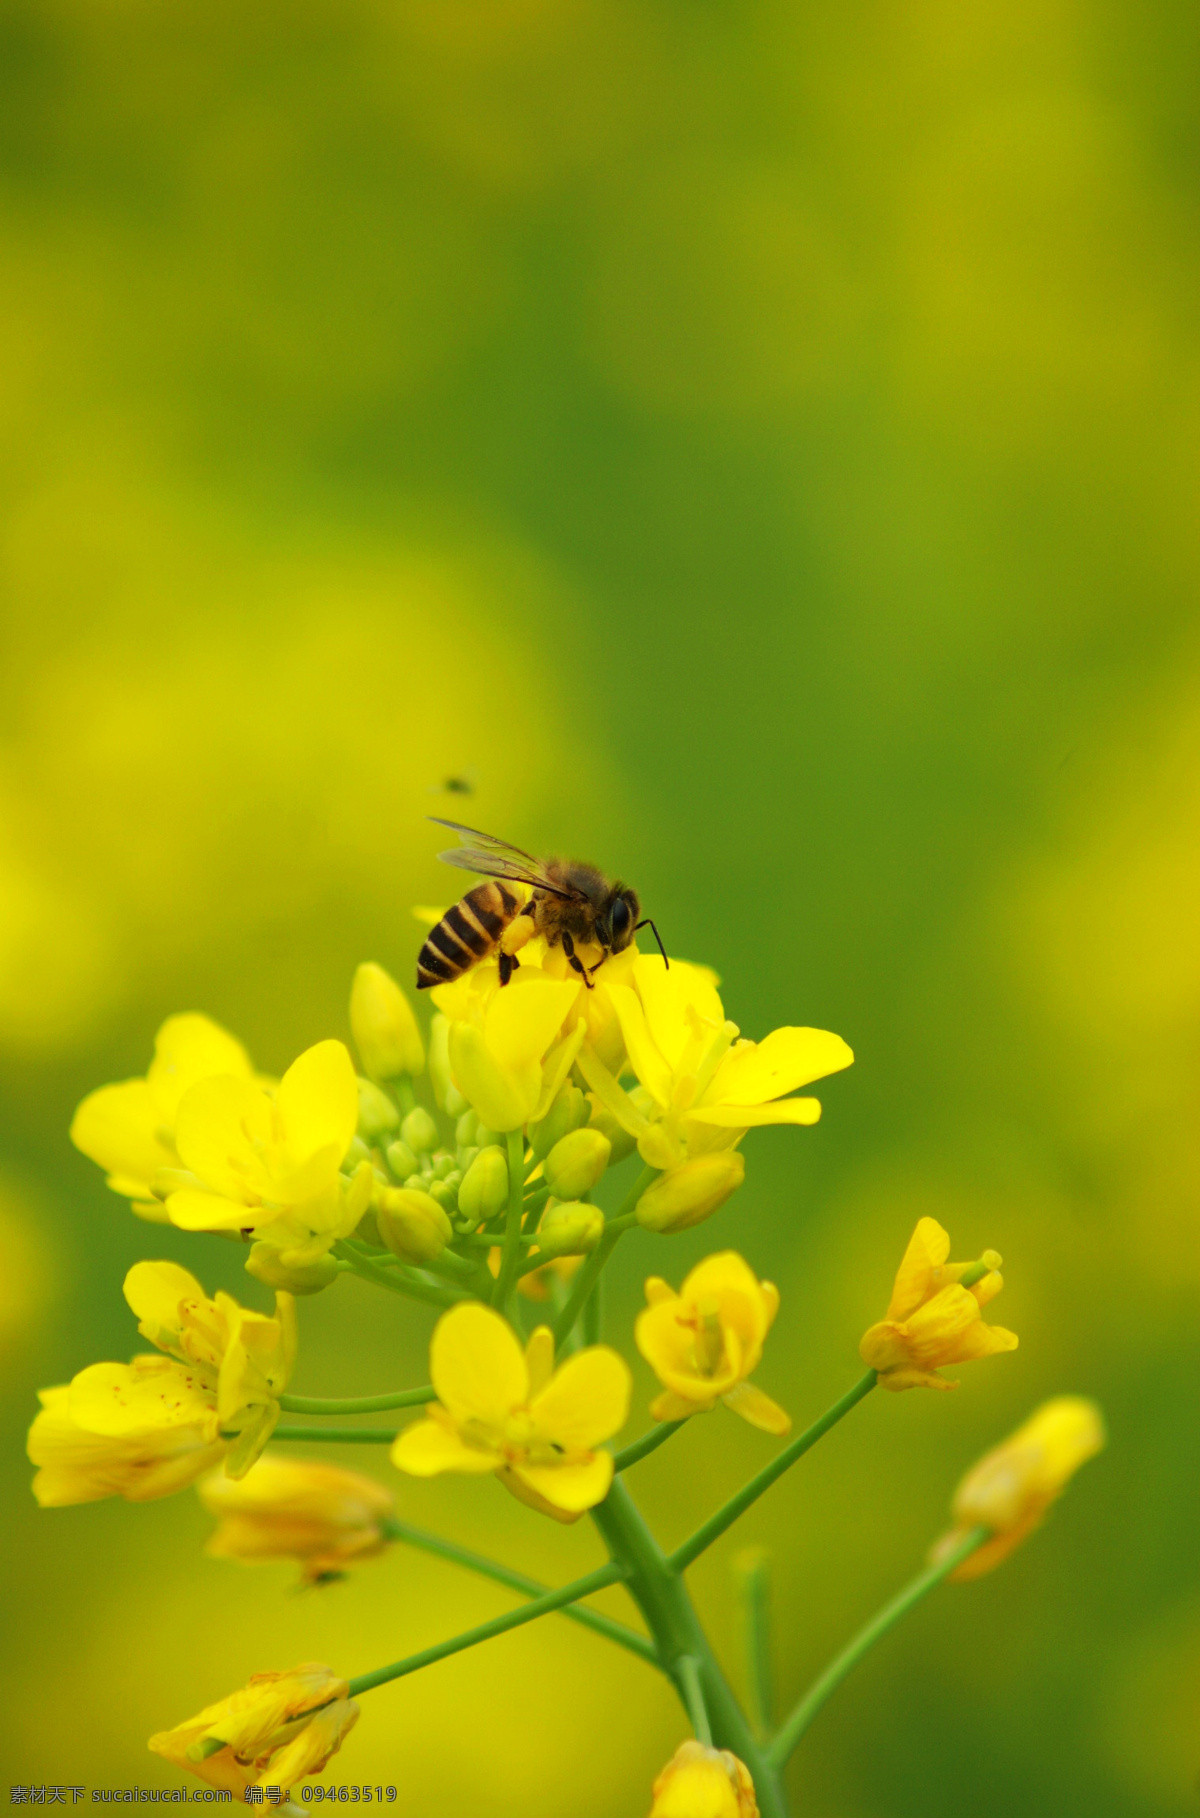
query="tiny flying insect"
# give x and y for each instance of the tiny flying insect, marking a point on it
(571, 903)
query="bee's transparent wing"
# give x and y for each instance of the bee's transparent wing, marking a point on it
(492, 857)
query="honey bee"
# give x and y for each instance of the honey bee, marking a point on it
(570, 903)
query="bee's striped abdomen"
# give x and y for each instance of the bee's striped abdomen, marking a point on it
(466, 933)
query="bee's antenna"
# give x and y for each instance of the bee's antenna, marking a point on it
(647, 923)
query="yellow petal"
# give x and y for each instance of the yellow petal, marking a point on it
(191, 1210)
(428, 1447)
(539, 1358)
(222, 1128)
(928, 1248)
(645, 1057)
(118, 1127)
(477, 1366)
(146, 1396)
(572, 1487)
(188, 1048)
(558, 1064)
(318, 1102)
(754, 1072)
(668, 995)
(154, 1291)
(504, 1097)
(750, 1117)
(585, 1401)
(522, 1020)
(758, 1409)
(657, 1291)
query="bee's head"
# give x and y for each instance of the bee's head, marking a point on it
(617, 920)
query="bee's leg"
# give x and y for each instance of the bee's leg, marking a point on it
(592, 970)
(520, 930)
(574, 961)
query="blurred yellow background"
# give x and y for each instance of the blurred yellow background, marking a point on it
(757, 445)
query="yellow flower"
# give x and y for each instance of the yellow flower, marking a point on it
(700, 1782)
(500, 1409)
(153, 1425)
(704, 1342)
(1012, 1487)
(705, 1087)
(507, 1052)
(283, 1508)
(271, 1732)
(271, 1164)
(76, 1465)
(129, 1129)
(932, 1319)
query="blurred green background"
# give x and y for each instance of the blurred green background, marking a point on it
(759, 444)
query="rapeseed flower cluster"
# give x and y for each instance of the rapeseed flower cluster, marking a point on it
(462, 1170)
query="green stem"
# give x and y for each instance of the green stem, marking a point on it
(692, 1687)
(512, 1619)
(510, 1255)
(345, 1436)
(619, 1632)
(662, 1596)
(725, 1516)
(754, 1582)
(588, 1276)
(649, 1442)
(363, 1404)
(891, 1613)
(592, 1318)
(397, 1281)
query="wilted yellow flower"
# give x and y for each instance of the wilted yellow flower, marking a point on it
(505, 1045)
(385, 1029)
(706, 1088)
(273, 1731)
(141, 1464)
(503, 1410)
(271, 1164)
(932, 1319)
(701, 1782)
(1012, 1486)
(284, 1508)
(130, 1128)
(703, 1342)
(223, 1374)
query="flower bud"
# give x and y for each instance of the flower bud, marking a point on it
(266, 1265)
(573, 1229)
(419, 1131)
(443, 1164)
(691, 1192)
(484, 1191)
(377, 1115)
(446, 1192)
(569, 1111)
(703, 1782)
(413, 1225)
(1012, 1487)
(385, 1029)
(465, 1131)
(622, 1141)
(401, 1160)
(439, 1063)
(576, 1162)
